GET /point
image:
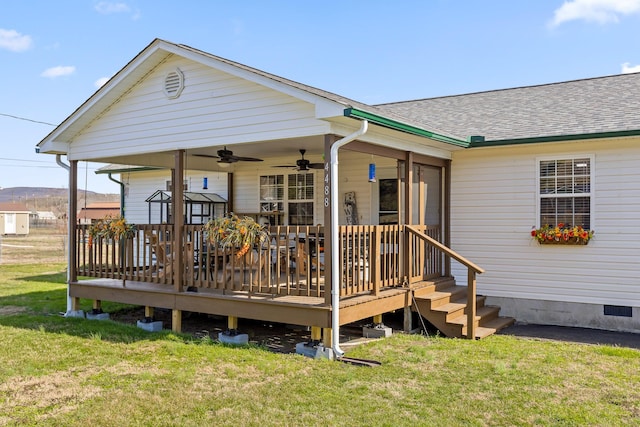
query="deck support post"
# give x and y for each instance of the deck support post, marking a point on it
(176, 320)
(97, 306)
(232, 323)
(316, 333)
(326, 337)
(148, 312)
(75, 304)
(407, 323)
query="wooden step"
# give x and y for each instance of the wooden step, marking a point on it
(483, 314)
(444, 296)
(458, 307)
(491, 327)
(444, 304)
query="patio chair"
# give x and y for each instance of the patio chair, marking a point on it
(163, 265)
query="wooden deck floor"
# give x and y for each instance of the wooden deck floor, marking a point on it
(292, 309)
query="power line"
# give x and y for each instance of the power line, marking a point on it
(36, 166)
(27, 120)
(25, 160)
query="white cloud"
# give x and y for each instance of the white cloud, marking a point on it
(58, 71)
(107, 7)
(100, 82)
(627, 68)
(14, 41)
(600, 11)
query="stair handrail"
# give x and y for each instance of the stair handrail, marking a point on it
(472, 270)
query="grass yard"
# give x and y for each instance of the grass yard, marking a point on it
(74, 372)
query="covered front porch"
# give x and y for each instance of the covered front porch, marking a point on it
(382, 269)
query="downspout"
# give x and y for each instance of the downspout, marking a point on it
(70, 236)
(121, 184)
(335, 256)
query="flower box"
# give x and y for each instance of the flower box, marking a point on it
(562, 234)
(571, 242)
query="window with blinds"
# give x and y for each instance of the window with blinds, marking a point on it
(564, 191)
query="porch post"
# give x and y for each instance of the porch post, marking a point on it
(177, 208)
(408, 210)
(177, 214)
(447, 215)
(73, 303)
(326, 197)
(230, 194)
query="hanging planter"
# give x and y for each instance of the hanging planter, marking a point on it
(562, 235)
(235, 232)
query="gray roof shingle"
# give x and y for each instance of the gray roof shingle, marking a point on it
(596, 105)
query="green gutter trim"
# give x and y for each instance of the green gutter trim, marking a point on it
(558, 138)
(403, 127)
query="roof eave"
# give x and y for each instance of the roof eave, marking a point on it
(403, 127)
(555, 138)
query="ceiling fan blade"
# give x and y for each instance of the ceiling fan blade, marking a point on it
(246, 159)
(316, 165)
(285, 166)
(210, 156)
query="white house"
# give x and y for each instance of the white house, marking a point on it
(477, 171)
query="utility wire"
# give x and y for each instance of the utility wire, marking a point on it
(27, 120)
(25, 160)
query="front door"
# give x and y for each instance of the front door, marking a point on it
(426, 208)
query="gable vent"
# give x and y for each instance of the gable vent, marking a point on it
(173, 84)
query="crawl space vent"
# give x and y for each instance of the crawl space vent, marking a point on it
(173, 84)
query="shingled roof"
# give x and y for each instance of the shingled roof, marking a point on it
(581, 107)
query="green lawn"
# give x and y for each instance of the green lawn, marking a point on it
(73, 372)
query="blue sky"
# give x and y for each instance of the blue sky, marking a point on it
(54, 54)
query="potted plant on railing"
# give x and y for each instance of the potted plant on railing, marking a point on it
(562, 234)
(112, 229)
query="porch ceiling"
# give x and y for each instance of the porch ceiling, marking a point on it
(283, 151)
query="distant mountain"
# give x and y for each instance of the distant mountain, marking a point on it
(25, 193)
(51, 199)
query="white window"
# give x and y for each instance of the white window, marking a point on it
(271, 193)
(300, 196)
(564, 191)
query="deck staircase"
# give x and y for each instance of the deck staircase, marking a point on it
(444, 305)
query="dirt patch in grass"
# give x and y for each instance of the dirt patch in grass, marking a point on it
(11, 310)
(58, 393)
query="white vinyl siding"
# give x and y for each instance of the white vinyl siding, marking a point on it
(493, 209)
(214, 109)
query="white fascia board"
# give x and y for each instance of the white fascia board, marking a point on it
(53, 147)
(326, 109)
(398, 140)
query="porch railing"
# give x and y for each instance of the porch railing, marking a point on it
(290, 262)
(435, 248)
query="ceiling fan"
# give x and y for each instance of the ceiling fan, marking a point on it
(303, 164)
(227, 156)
